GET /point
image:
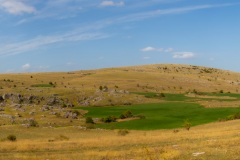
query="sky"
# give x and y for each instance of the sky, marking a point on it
(69, 35)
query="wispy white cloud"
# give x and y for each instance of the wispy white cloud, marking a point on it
(153, 49)
(91, 30)
(161, 12)
(25, 46)
(183, 55)
(26, 66)
(176, 55)
(111, 3)
(16, 7)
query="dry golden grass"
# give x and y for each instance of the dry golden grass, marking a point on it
(159, 78)
(218, 104)
(216, 141)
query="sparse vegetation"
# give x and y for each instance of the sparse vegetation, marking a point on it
(42, 85)
(234, 116)
(109, 119)
(89, 120)
(123, 132)
(144, 100)
(126, 114)
(32, 123)
(11, 137)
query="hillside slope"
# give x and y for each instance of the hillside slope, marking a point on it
(83, 87)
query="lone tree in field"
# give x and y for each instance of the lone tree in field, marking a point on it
(187, 125)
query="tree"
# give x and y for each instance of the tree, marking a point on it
(187, 124)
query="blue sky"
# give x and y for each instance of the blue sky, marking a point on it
(66, 35)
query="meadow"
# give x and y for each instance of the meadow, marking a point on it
(215, 141)
(46, 113)
(166, 115)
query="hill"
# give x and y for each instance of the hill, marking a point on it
(83, 87)
(44, 115)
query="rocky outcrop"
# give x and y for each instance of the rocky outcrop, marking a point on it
(71, 114)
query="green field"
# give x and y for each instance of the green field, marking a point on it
(167, 115)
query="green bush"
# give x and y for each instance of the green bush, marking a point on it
(162, 95)
(187, 125)
(126, 114)
(89, 120)
(12, 137)
(109, 119)
(236, 115)
(231, 117)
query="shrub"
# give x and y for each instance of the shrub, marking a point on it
(236, 115)
(231, 117)
(89, 120)
(109, 119)
(126, 114)
(187, 125)
(162, 95)
(12, 137)
(33, 123)
(123, 132)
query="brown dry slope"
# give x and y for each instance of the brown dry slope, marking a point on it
(80, 85)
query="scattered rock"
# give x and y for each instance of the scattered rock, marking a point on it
(2, 104)
(7, 116)
(72, 115)
(31, 113)
(46, 108)
(198, 154)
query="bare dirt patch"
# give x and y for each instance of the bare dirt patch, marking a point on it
(219, 104)
(128, 119)
(210, 97)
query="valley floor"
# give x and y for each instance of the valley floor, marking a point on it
(215, 141)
